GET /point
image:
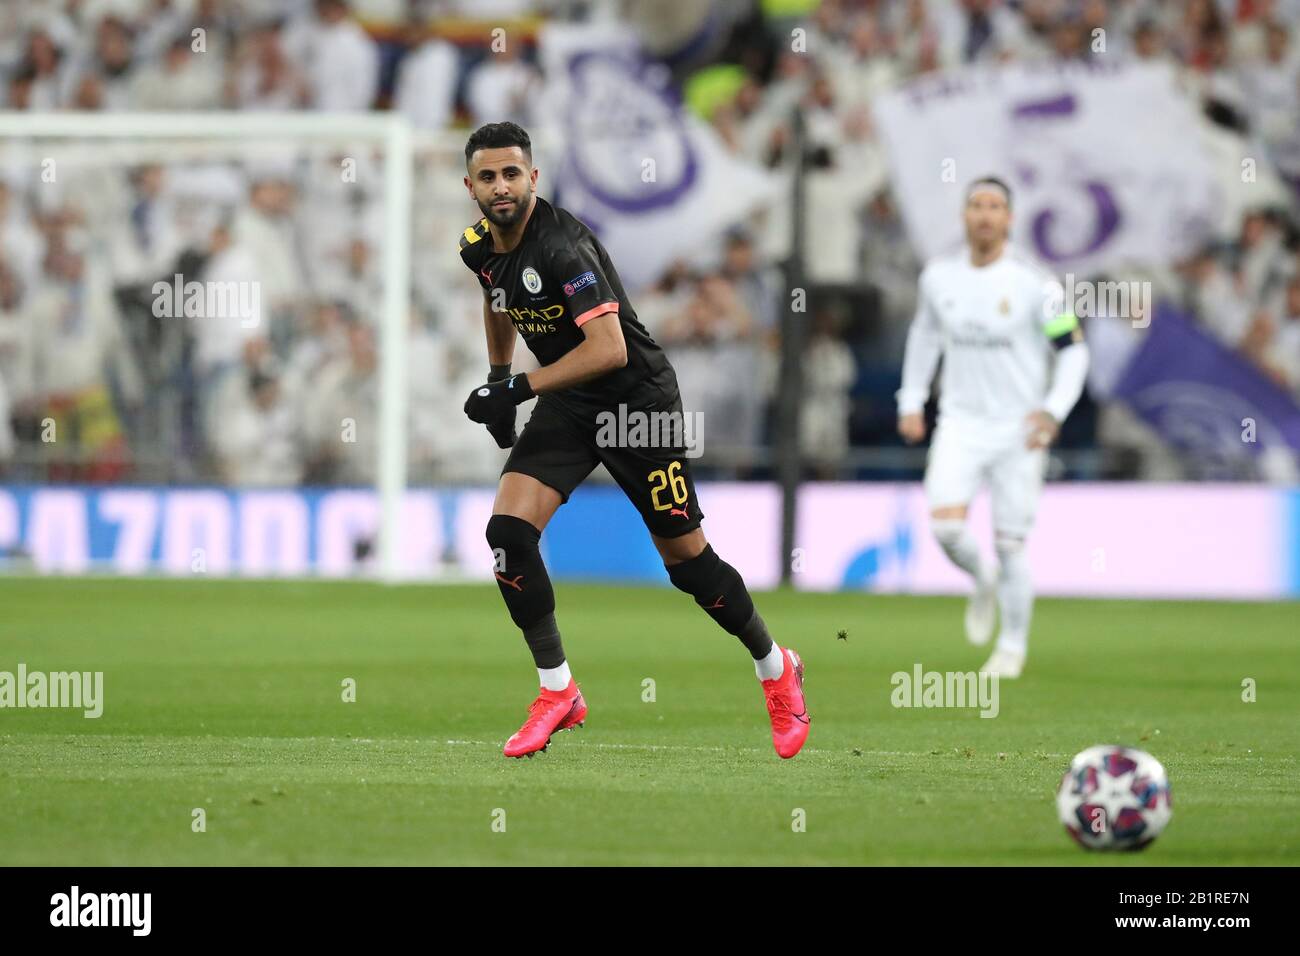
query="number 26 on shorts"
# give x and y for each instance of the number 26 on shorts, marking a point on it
(661, 480)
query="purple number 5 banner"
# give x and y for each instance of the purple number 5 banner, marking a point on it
(1106, 162)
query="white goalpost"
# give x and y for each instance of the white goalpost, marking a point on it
(390, 131)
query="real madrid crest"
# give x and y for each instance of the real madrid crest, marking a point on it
(532, 281)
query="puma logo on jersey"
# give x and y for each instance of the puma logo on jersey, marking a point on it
(716, 605)
(512, 582)
(679, 511)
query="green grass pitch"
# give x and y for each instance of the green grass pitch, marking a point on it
(227, 696)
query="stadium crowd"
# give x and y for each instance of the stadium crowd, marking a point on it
(289, 395)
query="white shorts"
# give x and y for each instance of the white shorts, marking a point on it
(966, 454)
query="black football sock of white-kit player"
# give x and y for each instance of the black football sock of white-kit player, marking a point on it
(719, 589)
(526, 587)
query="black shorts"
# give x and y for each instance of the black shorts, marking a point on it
(560, 451)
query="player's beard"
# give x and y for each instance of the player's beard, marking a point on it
(510, 216)
(986, 241)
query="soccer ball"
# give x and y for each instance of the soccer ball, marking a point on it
(1114, 798)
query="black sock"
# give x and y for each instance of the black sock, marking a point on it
(755, 638)
(525, 586)
(719, 589)
(544, 641)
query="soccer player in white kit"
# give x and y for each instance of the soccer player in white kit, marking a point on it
(996, 319)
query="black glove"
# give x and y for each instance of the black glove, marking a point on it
(495, 402)
(502, 431)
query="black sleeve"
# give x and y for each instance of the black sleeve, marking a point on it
(576, 268)
(474, 244)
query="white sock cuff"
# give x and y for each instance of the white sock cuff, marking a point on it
(555, 678)
(948, 528)
(772, 666)
(1006, 543)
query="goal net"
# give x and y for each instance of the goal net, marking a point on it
(217, 356)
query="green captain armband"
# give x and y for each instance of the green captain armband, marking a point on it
(1063, 331)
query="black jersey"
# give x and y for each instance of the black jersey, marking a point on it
(558, 277)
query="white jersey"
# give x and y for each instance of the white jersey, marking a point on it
(993, 326)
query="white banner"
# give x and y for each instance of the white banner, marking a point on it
(652, 180)
(1107, 164)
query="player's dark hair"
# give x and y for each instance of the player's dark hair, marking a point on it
(499, 136)
(990, 181)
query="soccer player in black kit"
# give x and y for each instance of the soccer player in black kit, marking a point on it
(547, 277)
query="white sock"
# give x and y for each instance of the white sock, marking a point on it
(959, 544)
(1015, 595)
(772, 666)
(555, 678)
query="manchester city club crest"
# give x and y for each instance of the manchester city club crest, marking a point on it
(532, 281)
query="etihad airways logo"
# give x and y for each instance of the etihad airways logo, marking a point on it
(535, 321)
